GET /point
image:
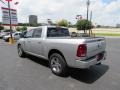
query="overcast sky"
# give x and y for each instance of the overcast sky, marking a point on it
(105, 12)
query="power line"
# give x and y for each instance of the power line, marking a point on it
(2, 1)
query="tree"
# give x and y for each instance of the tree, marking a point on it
(24, 28)
(70, 24)
(18, 29)
(1, 27)
(84, 25)
(63, 22)
(98, 26)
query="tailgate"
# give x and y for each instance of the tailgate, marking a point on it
(95, 46)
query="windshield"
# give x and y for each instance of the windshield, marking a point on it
(57, 32)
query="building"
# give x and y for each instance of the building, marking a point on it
(33, 20)
(118, 25)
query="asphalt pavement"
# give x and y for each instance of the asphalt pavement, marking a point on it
(33, 73)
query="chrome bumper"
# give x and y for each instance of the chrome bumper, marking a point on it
(86, 64)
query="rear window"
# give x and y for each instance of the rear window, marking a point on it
(57, 32)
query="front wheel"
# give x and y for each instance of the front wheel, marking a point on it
(58, 65)
(21, 53)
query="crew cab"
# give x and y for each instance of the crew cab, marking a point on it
(61, 50)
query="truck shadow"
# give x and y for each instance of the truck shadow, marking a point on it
(37, 60)
(88, 76)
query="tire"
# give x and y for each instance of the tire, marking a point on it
(58, 65)
(21, 53)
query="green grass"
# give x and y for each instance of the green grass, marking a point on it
(106, 34)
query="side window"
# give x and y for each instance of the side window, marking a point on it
(29, 34)
(51, 32)
(37, 33)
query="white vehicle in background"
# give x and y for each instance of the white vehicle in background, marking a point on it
(4, 33)
(16, 36)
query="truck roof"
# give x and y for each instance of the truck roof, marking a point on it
(48, 26)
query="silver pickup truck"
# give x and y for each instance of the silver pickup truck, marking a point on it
(61, 50)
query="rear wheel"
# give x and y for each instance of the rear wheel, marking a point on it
(21, 53)
(58, 65)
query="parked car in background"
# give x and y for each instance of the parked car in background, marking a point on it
(16, 36)
(73, 34)
(4, 33)
(61, 50)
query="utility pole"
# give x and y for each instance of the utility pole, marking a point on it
(88, 4)
(10, 19)
(90, 16)
(90, 31)
(11, 41)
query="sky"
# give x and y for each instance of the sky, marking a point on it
(105, 12)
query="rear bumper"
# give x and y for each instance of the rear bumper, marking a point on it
(87, 63)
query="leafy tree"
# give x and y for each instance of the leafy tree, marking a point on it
(18, 29)
(70, 24)
(24, 28)
(23, 24)
(98, 26)
(84, 25)
(1, 27)
(63, 22)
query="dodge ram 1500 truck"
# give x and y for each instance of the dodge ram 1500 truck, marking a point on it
(61, 50)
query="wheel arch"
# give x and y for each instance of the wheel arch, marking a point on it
(56, 51)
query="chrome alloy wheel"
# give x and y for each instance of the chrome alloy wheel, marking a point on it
(55, 64)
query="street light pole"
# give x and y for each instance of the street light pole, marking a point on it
(90, 31)
(88, 3)
(91, 16)
(10, 19)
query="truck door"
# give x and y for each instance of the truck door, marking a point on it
(27, 42)
(36, 42)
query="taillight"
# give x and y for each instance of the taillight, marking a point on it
(82, 50)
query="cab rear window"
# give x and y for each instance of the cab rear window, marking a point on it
(57, 32)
